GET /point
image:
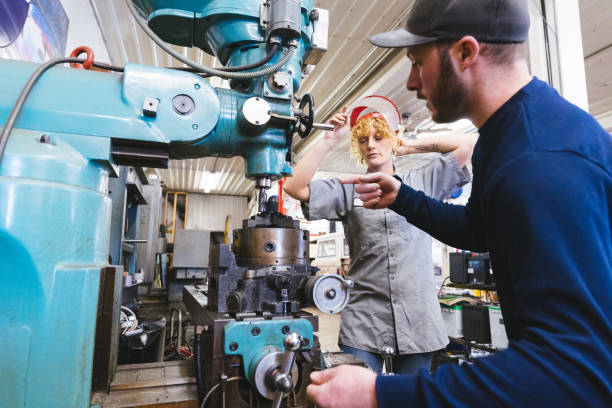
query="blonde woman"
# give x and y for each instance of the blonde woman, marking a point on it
(393, 302)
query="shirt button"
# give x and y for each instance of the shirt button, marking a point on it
(395, 300)
(390, 232)
(392, 277)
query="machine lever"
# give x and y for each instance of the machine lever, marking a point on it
(282, 379)
(297, 119)
(323, 126)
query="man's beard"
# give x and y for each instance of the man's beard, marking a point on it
(449, 98)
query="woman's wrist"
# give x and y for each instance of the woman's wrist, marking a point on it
(329, 140)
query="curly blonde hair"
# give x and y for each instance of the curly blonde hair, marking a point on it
(363, 128)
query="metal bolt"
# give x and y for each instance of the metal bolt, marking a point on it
(197, 86)
(285, 329)
(330, 294)
(194, 126)
(255, 331)
(233, 346)
(45, 139)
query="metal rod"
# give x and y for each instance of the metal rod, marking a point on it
(284, 117)
(323, 126)
(135, 241)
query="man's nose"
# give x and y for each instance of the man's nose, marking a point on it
(413, 83)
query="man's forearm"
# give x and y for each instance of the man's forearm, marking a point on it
(439, 143)
(461, 146)
(304, 170)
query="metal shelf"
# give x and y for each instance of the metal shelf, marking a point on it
(473, 344)
(474, 286)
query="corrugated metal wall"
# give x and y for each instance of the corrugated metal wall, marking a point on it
(597, 43)
(208, 211)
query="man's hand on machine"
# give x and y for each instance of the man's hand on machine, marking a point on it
(341, 126)
(376, 190)
(344, 386)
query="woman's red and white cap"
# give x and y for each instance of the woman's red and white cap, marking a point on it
(375, 106)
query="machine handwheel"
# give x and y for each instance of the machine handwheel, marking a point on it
(306, 117)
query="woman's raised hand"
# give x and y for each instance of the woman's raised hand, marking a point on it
(341, 126)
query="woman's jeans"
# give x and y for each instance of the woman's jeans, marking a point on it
(404, 364)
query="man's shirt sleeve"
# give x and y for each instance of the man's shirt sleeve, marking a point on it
(456, 225)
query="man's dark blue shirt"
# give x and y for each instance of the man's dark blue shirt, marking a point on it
(541, 204)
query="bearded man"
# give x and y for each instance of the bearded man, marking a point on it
(541, 204)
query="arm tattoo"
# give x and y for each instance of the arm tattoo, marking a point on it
(433, 147)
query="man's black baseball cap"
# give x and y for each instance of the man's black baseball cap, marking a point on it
(494, 21)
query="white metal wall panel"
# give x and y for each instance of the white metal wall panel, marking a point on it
(208, 212)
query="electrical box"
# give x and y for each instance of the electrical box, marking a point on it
(470, 268)
(475, 321)
(499, 339)
(452, 320)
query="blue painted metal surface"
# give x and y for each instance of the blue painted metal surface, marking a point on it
(54, 234)
(109, 105)
(215, 26)
(252, 348)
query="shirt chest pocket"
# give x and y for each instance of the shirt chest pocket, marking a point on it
(405, 230)
(365, 228)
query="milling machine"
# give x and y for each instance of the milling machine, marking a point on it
(249, 323)
(64, 133)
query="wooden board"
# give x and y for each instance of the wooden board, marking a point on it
(153, 385)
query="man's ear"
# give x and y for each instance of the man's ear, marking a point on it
(466, 52)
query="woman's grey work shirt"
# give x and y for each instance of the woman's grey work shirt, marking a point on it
(393, 301)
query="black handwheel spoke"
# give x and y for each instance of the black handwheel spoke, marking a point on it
(306, 116)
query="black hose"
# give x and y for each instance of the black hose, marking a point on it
(200, 383)
(107, 67)
(257, 64)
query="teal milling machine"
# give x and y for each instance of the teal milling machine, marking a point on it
(70, 135)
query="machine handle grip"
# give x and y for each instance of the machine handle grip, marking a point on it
(282, 379)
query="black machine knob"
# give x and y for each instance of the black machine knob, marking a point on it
(235, 302)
